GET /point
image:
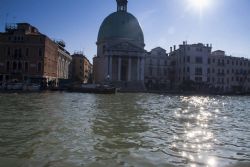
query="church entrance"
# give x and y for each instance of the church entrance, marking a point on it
(124, 70)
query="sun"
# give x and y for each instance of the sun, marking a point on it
(199, 4)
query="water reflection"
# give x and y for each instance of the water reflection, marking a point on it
(118, 125)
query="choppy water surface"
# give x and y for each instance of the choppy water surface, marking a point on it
(67, 129)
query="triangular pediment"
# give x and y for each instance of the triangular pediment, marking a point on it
(125, 46)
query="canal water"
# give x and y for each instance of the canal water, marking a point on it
(130, 130)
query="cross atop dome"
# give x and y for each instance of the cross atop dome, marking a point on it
(122, 5)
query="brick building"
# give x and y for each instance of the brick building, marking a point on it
(81, 68)
(26, 55)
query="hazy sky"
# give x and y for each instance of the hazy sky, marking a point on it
(223, 23)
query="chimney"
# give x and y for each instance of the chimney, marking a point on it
(171, 49)
(184, 43)
(174, 47)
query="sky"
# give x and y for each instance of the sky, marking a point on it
(223, 23)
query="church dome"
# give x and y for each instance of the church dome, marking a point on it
(121, 25)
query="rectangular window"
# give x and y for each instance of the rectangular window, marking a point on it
(14, 65)
(208, 61)
(20, 65)
(20, 53)
(26, 66)
(15, 54)
(198, 60)
(40, 52)
(198, 71)
(8, 52)
(8, 66)
(188, 59)
(27, 52)
(39, 67)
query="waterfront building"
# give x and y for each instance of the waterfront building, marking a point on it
(157, 70)
(227, 73)
(81, 68)
(28, 55)
(120, 50)
(196, 67)
(190, 62)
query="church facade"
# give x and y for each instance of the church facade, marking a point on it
(120, 51)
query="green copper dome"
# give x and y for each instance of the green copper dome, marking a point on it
(121, 25)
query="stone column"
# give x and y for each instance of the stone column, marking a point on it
(110, 67)
(138, 69)
(129, 69)
(142, 69)
(119, 68)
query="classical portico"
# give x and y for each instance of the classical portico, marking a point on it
(126, 65)
(120, 50)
